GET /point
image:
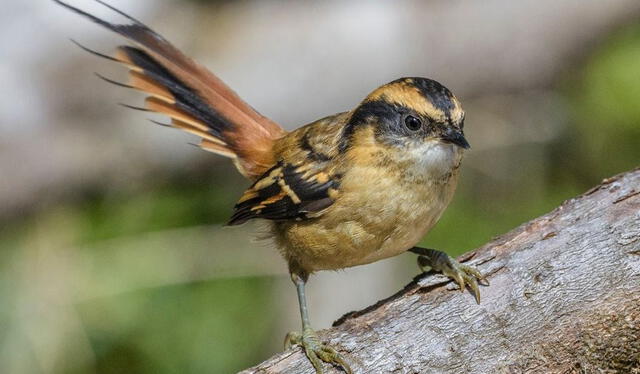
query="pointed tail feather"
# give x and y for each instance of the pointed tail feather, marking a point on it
(197, 101)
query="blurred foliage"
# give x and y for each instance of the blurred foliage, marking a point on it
(208, 327)
(604, 134)
(182, 201)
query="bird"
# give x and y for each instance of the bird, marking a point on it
(346, 190)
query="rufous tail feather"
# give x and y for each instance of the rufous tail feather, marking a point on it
(197, 101)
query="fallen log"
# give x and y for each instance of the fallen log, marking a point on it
(564, 298)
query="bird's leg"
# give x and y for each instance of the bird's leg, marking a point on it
(315, 350)
(449, 266)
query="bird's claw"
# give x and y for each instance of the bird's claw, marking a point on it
(462, 274)
(315, 350)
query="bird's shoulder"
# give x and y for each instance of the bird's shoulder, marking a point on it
(318, 141)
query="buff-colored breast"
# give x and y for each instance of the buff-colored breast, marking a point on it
(388, 200)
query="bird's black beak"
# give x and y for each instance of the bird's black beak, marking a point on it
(455, 137)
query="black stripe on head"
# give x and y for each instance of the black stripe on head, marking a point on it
(378, 110)
(437, 94)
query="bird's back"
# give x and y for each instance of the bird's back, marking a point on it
(318, 142)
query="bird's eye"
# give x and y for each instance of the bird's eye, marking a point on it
(412, 123)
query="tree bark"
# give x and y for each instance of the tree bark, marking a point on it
(564, 298)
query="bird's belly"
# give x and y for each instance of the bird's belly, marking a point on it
(400, 225)
(366, 226)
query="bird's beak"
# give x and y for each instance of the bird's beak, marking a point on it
(455, 137)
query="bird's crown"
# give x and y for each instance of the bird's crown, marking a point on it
(424, 96)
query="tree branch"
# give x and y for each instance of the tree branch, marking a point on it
(564, 298)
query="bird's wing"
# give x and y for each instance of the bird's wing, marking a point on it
(288, 192)
(196, 100)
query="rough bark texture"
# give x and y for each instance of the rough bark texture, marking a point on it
(564, 298)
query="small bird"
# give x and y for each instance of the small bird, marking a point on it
(348, 189)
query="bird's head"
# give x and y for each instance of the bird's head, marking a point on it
(416, 123)
(409, 112)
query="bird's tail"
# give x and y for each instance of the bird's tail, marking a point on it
(196, 100)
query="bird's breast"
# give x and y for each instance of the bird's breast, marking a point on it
(396, 209)
(384, 208)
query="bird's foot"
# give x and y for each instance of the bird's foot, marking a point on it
(315, 350)
(449, 266)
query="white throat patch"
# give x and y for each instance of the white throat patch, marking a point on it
(435, 159)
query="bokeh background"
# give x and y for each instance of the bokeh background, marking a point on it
(113, 257)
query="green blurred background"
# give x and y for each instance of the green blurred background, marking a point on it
(112, 254)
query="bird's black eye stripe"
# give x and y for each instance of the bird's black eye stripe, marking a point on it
(413, 123)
